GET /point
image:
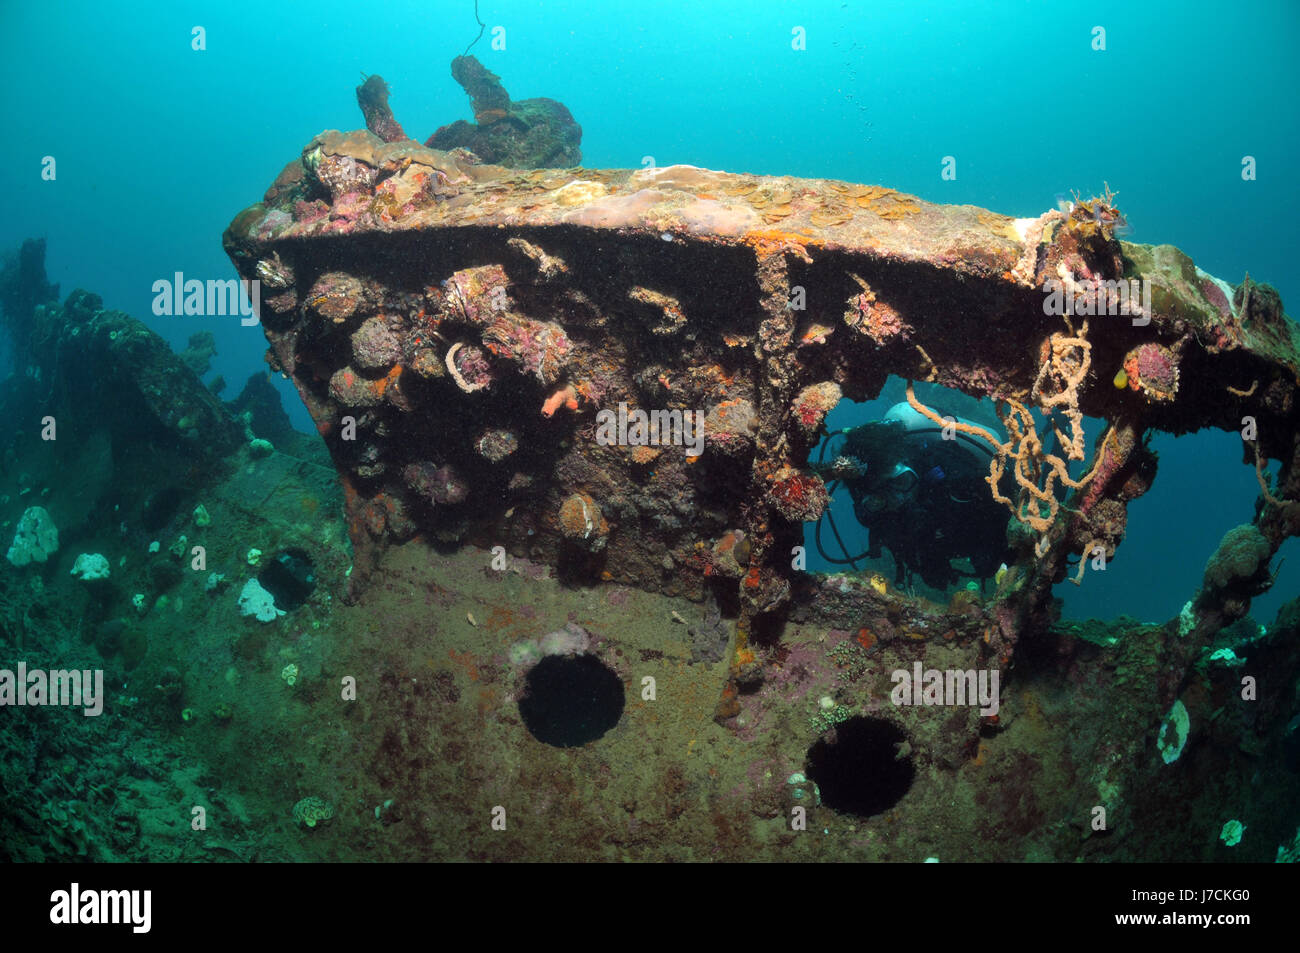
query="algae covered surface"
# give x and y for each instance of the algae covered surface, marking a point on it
(403, 717)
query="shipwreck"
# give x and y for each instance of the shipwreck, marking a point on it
(464, 333)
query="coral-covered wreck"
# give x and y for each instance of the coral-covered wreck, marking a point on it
(456, 330)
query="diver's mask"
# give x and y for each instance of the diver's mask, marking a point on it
(894, 491)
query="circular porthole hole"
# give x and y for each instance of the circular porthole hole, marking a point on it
(290, 577)
(570, 700)
(857, 768)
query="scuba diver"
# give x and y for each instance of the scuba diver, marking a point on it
(924, 498)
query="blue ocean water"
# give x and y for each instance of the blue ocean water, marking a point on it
(158, 145)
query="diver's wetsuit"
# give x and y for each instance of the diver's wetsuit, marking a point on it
(925, 498)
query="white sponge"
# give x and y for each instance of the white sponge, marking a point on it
(90, 566)
(37, 538)
(256, 601)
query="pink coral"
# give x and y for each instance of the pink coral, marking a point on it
(469, 367)
(813, 403)
(1153, 370)
(874, 318)
(798, 497)
(476, 295)
(538, 347)
(305, 212)
(1214, 294)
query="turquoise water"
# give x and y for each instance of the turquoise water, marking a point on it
(158, 145)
